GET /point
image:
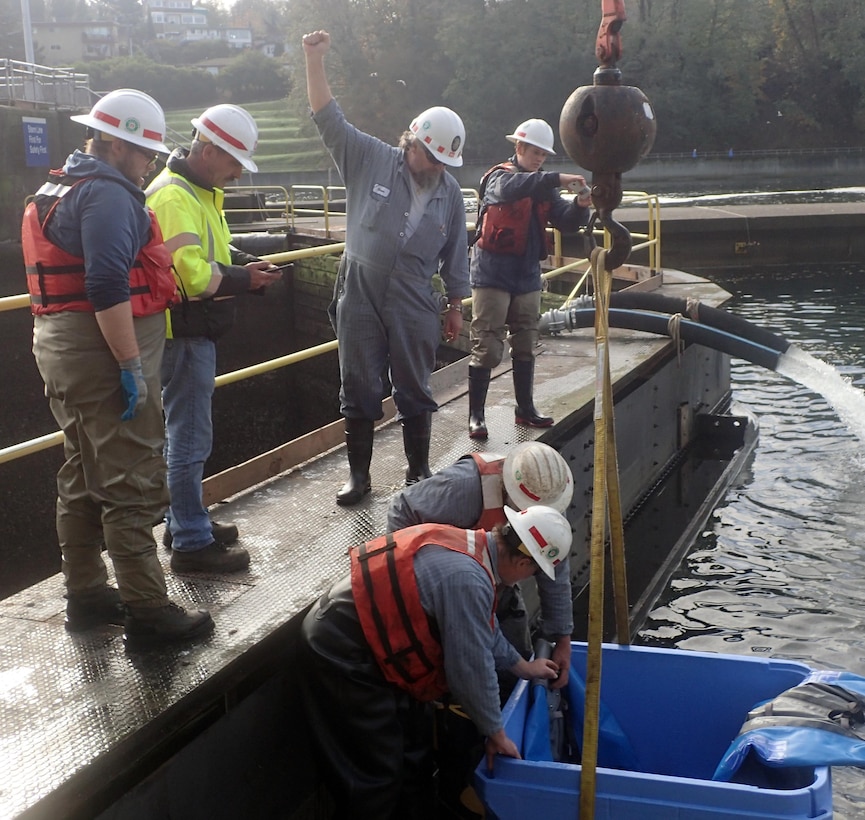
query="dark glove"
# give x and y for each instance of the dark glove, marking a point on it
(134, 386)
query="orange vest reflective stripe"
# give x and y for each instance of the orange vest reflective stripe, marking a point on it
(55, 278)
(394, 623)
(504, 227)
(493, 489)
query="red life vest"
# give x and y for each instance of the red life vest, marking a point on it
(55, 278)
(394, 623)
(490, 467)
(504, 227)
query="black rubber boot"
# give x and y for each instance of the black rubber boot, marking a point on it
(524, 377)
(479, 382)
(415, 438)
(358, 441)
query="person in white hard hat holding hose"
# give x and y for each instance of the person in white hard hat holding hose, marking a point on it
(476, 492)
(99, 278)
(413, 622)
(188, 198)
(517, 202)
(405, 222)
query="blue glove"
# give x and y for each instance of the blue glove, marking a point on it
(134, 386)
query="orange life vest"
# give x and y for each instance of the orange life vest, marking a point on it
(55, 278)
(504, 227)
(394, 623)
(493, 489)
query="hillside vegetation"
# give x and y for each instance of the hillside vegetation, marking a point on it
(286, 141)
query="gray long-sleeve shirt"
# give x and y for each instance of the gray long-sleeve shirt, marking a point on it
(455, 590)
(455, 496)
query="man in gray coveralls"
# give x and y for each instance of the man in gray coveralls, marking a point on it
(405, 222)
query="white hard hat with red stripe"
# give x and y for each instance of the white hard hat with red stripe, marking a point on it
(131, 115)
(545, 533)
(535, 132)
(231, 128)
(535, 473)
(442, 133)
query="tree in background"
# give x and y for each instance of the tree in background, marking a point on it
(815, 78)
(251, 77)
(747, 74)
(385, 64)
(512, 63)
(701, 66)
(172, 87)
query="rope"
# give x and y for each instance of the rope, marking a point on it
(674, 331)
(692, 308)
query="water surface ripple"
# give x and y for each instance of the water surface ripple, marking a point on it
(780, 570)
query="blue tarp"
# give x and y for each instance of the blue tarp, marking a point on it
(783, 746)
(614, 749)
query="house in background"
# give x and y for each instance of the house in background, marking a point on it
(182, 22)
(65, 44)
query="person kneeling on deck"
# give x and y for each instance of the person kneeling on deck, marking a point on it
(187, 198)
(517, 201)
(416, 620)
(405, 222)
(474, 492)
(99, 278)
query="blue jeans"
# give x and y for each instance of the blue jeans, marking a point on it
(188, 376)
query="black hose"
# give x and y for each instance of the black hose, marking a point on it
(713, 317)
(694, 332)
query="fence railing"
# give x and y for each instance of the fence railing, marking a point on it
(43, 85)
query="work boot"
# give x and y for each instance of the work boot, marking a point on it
(222, 534)
(415, 439)
(215, 557)
(525, 413)
(479, 382)
(358, 442)
(94, 607)
(149, 627)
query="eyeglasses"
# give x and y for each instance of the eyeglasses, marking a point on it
(151, 157)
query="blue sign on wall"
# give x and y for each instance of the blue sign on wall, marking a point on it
(36, 141)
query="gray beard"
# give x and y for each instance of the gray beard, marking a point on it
(426, 180)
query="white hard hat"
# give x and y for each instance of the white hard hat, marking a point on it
(545, 533)
(231, 128)
(534, 132)
(442, 133)
(131, 115)
(534, 473)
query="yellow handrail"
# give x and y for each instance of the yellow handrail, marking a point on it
(329, 193)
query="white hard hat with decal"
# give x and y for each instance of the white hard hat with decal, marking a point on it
(535, 132)
(131, 115)
(442, 133)
(545, 533)
(535, 473)
(233, 129)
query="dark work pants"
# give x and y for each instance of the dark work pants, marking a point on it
(373, 740)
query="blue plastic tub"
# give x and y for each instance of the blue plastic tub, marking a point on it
(679, 712)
